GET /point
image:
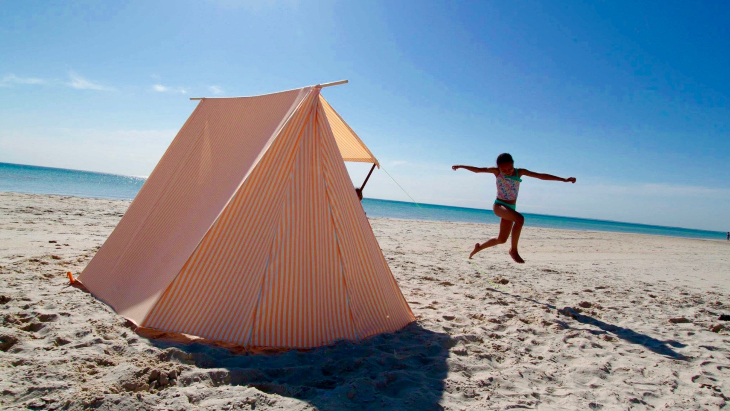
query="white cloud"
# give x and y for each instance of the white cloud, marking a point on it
(164, 89)
(215, 89)
(75, 81)
(81, 83)
(397, 163)
(11, 79)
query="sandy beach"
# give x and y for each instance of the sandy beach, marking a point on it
(593, 320)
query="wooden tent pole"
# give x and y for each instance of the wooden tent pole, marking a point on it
(368, 177)
(358, 191)
(334, 83)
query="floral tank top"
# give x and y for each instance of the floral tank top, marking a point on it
(508, 186)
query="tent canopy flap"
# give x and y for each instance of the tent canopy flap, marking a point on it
(350, 145)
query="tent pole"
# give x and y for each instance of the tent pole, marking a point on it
(334, 83)
(367, 178)
(358, 191)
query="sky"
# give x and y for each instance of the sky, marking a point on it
(631, 98)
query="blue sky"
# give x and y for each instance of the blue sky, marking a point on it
(630, 98)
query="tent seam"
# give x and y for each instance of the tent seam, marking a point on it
(271, 250)
(339, 252)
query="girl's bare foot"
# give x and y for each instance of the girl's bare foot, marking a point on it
(476, 250)
(515, 256)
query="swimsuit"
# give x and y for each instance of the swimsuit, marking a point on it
(507, 189)
(512, 206)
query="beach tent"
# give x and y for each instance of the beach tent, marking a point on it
(249, 232)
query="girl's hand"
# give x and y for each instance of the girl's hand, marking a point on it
(455, 167)
(570, 180)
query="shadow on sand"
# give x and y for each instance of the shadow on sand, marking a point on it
(626, 334)
(404, 370)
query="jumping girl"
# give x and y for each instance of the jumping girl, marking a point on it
(508, 185)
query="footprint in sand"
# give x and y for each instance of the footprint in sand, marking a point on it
(44, 318)
(33, 326)
(60, 341)
(7, 342)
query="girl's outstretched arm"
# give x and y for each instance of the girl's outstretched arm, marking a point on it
(493, 170)
(548, 177)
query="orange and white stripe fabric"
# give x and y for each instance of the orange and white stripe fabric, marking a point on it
(249, 232)
(349, 144)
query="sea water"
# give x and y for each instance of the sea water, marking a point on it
(46, 180)
(412, 211)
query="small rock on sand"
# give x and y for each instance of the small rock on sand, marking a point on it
(717, 328)
(154, 375)
(679, 320)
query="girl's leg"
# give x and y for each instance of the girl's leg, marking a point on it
(516, 230)
(519, 221)
(504, 228)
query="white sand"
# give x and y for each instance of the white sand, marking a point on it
(479, 344)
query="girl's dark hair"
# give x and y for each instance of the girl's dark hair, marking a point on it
(504, 158)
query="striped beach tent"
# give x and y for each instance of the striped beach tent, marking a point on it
(249, 232)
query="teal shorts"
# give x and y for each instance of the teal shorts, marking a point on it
(512, 206)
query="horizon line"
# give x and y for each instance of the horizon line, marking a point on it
(400, 201)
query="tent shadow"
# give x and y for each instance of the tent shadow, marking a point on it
(403, 370)
(658, 346)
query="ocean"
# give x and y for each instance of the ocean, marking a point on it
(46, 180)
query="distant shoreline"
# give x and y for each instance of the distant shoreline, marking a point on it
(558, 216)
(124, 187)
(72, 169)
(533, 219)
